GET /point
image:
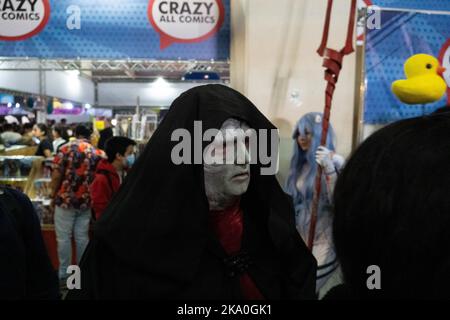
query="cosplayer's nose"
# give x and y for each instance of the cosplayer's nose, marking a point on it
(247, 155)
(242, 156)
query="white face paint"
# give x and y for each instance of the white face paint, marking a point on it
(226, 181)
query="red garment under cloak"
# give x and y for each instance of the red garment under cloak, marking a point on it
(228, 227)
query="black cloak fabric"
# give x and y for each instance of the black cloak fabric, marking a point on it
(153, 241)
(25, 268)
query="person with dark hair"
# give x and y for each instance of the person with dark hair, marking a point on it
(73, 172)
(105, 134)
(200, 230)
(27, 135)
(25, 268)
(81, 132)
(392, 213)
(45, 146)
(52, 123)
(17, 128)
(110, 172)
(60, 137)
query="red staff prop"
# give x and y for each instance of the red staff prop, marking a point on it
(333, 64)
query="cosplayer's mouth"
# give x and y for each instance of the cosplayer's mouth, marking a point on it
(304, 145)
(241, 176)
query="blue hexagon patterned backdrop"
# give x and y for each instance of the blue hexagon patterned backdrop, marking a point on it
(402, 34)
(113, 29)
(440, 5)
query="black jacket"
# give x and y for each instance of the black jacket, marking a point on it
(25, 268)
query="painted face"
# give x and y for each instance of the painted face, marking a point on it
(304, 141)
(227, 180)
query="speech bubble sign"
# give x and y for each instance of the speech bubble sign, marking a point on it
(444, 60)
(20, 20)
(185, 21)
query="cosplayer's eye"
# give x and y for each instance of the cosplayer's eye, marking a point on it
(429, 66)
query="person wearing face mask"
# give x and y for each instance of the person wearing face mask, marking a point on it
(200, 228)
(308, 154)
(110, 172)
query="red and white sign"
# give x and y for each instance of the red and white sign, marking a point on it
(185, 21)
(444, 59)
(361, 25)
(22, 19)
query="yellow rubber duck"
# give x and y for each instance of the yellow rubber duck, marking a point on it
(424, 82)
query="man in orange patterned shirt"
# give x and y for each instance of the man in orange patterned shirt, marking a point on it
(73, 171)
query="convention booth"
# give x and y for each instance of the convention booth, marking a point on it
(126, 61)
(92, 61)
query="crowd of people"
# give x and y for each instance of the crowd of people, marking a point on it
(84, 179)
(31, 133)
(228, 231)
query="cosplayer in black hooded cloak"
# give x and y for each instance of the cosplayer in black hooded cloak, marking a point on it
(154, 239)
